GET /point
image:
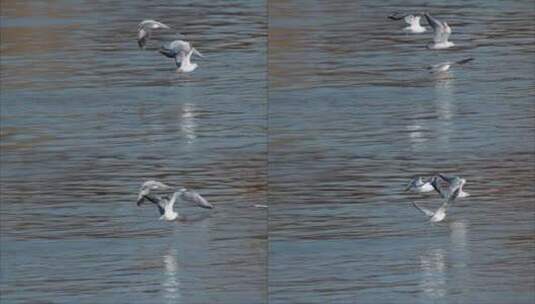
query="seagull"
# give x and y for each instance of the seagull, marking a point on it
(439, 214)
(453, 183)
(444, 66)
(442, 33)
(412, 20)
(417, 184)
(149, 186)
(145, 28)
(166, 205)
(181, 51)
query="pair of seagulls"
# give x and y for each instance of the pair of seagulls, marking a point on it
(448, 187)
(442, 32)
(164, 203)
(179, 50)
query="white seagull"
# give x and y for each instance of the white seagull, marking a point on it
(149, 186)
(145, 28)
(417, 184)
(453, 183)
(166, 205)
(439, 214)
(442, 33)
(444, 66)
(181, 51)
(413, 22)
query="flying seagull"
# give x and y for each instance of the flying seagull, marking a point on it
(181, 51)
(439, 214)
(149, 186)
(412, 20)
(166, 205)
(453, 183)
(145, 28)
(444, 66)
(417, 184)
(442, 33)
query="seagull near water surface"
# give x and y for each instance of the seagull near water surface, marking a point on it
(181, 51)
(145, 28)
(412, 20)
(165, 204)
(442, 32)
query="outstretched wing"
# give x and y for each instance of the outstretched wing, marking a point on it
(425, 211)
(396, 16)
(159, 201)
(196, 198)
(437, 188)
(442, 32)
(464, 60)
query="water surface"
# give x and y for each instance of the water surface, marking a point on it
(86, 117)
(354, 114)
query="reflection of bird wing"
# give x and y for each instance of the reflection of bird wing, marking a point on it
(424, 210)
(196, 198)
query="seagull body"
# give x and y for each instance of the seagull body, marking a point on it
(413, 21)
(417, 184)
(444, 66)
(442, 33)
(149, 186)
(145, 28)
(181, 51)
(439, 214)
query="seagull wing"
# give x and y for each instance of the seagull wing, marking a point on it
(441, 32)
(155, 185)
(196, 198)
(438, 188)
(464, 61)
(159, 201)
(396, 16)
(424, 210)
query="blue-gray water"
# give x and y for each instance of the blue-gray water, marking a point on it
(350, 115)
(354, 114)
(86, 117)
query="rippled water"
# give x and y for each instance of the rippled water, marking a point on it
(86, 117)
(354, 114)
(327, 126)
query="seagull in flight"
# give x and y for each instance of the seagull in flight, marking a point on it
(145, 28)
(444, 66)
(442, 33)
(166, 205)
(412, 20)
(149, 186)
(439, 214)
(417, 184)
(453, 183)
(181, 51)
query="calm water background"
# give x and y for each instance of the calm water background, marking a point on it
(353, 115)
(86, 117)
